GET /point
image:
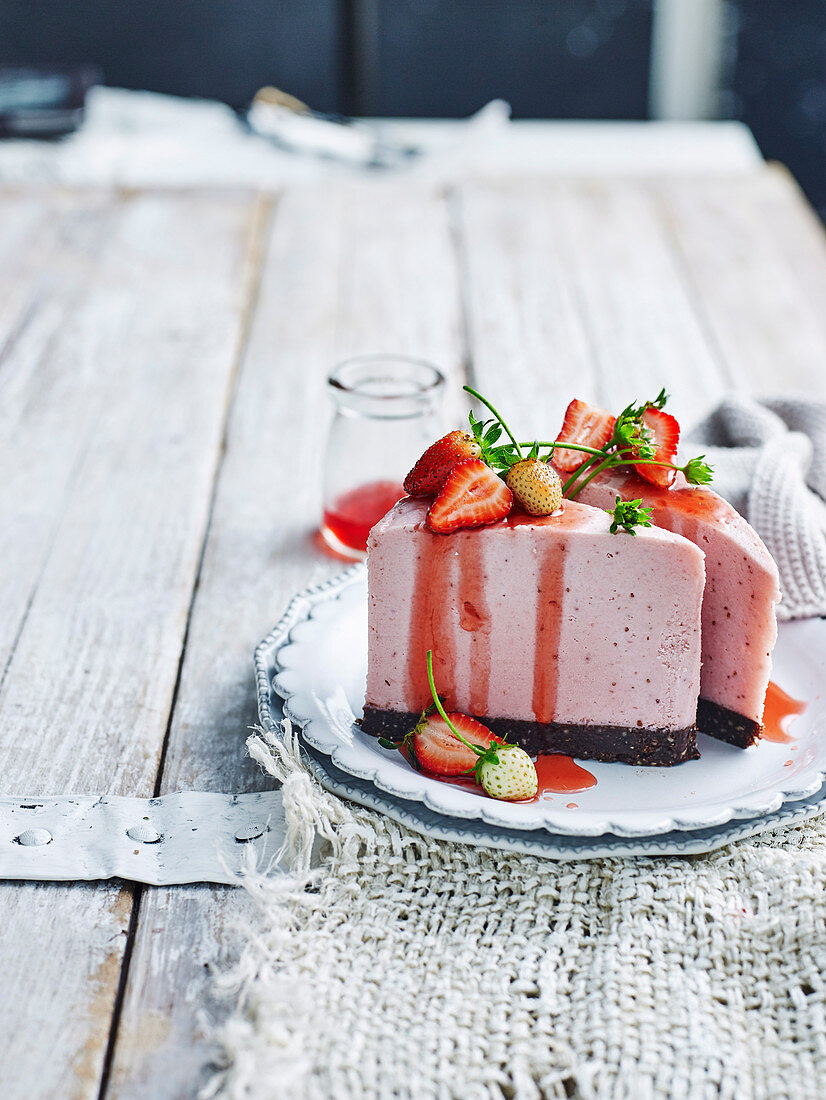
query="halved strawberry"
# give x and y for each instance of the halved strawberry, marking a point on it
(472, 496)
(430, 473)
(438, 751)
(584, 424)
(664, 433)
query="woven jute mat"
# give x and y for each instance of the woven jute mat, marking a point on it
(410, 967)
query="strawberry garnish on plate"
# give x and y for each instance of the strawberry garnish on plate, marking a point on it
(430, 473)
(437, 749)
(586, 425)
(471, 496)
(456, 744)
(511, 777)
(662, 434)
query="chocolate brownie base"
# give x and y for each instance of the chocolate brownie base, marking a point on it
(622, 744)
(727, 725)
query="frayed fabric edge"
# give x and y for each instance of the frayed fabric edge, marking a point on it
(258, 1054)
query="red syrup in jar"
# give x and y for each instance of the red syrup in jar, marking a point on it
(349, 519)
(779, 713)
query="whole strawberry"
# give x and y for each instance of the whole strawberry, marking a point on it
(508, 774)
(536, 486)
(430, 473)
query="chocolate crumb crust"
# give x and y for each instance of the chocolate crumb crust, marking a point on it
(620, 744)
(727, 725)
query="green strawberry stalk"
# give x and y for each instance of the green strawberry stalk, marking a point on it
(630, 445)
(485, 755)
(487, 433)
(503, 771)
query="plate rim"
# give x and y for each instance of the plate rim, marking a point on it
(268, 671)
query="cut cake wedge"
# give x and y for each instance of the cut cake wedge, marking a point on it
(742, 588)
(550, 630)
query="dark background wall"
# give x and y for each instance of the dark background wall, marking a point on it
(569, 59)
(778, 84)
(220, 49)
(548, 58)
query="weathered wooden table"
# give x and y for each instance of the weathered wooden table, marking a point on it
(162, 414)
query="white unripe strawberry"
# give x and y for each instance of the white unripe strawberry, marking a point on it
(513, 778)
(535, 486)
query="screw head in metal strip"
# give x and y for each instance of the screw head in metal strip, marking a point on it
(34, 838)
(144, 834)
(250, 832)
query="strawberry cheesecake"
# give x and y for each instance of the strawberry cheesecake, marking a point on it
(742, 589)
(551, 630)
(566, 600)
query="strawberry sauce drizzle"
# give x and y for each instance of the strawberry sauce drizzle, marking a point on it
(549, 594)
(474, 617)
(557, 773)
(690, 503)
(430, 625)
(780, 711)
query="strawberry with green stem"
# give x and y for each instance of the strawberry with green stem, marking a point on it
(632, 443)
(504, 771)
(536, 486)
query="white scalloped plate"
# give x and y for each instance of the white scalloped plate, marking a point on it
(319, 654)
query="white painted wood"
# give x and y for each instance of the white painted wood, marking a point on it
(576, 290)
(144, 359)
(759, 292)
(347, 270)
(795, 228)
(48, 253)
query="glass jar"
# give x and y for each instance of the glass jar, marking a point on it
(388, 411)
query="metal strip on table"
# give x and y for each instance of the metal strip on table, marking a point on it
(173, 839)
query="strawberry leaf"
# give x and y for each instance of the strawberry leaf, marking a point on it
(628, 514)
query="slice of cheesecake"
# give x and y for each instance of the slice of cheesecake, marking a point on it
(742, 588)
(550, 630)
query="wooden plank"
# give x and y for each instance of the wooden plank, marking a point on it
(86, 700)
(797, 231)
(756, 267)
(575, 289)
(348, 269)
(48, 250)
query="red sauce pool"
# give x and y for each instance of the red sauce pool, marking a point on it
(557, 774)
(779, 713)
(351, 516)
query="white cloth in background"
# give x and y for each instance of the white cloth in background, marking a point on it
(142, 139)
(769, 459)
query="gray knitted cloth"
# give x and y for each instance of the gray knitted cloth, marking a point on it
(769, 459)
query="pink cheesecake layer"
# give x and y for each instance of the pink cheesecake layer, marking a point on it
(742, 584)
(548, 619)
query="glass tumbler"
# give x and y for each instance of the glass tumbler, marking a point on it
(388, 411)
